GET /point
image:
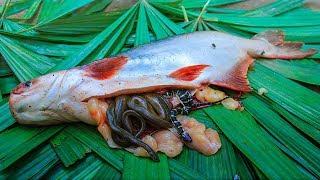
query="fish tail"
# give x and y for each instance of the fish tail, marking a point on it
(277, 47)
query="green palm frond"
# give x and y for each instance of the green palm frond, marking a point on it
(301, 150)
(306, 70)
(274, 9)
(276, 136)
(68, 149)
(247, 135)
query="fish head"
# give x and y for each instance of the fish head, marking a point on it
(35, 101)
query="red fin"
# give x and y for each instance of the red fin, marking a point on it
(106, 68)
(188, 73)
(236, 79)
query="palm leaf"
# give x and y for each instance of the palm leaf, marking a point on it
(68, 148)
(26, 140)
(6, 117)
(17, 7)
(147, 169)
(275, 8)
(303, 102)
(17, 56)
(271, 22)
(306, 71)
(30, 12)
(142, 27)
(8, 83)
(52, 10)
(247, 135)
(33, 166)
(97, 41)
(305, 127)
(4, 68)
(97, 6)
(201, 3)
(91, 166)
(277, 136)
(181, 171)
(99, 146)
(225, 10)
(301, 149)
(13, 26)
(89, 24)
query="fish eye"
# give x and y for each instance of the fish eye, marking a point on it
(28, 83)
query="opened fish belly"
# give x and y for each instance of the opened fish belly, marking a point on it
(189, 61)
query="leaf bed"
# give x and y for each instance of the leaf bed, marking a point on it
(277, 136)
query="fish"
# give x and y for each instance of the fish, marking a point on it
(187, 61)
(190, 62)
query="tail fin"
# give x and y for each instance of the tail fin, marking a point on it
(280, 48)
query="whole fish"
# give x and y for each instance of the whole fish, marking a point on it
(187, 61)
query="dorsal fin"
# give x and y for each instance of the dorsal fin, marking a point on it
(188, 73)
(106, 68)
(275, 37)
(236, 79)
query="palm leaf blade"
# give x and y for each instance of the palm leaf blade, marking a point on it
(68, 148)
(302, 103)
(26, 140)
(86, 135)
(245, 133)
(52, 10)
(147, 169)
(94, 43)
(275, 8)
(304, 151)
(89, 167)
(34, 166)
(305, 127)
(6, 117)
(307, 71)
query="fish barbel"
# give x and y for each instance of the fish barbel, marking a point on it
(187, 61)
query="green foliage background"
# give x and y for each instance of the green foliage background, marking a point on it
(276, 137)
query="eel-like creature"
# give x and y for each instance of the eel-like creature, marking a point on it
(188, 61)
(129, 116)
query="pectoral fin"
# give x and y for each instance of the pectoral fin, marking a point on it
(188, 73)
(236, 79)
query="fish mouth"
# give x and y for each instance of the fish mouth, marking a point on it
(11, 104)
(15, 94)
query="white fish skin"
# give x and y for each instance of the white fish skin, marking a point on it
(185, 61)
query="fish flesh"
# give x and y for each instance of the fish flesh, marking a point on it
(190, 61)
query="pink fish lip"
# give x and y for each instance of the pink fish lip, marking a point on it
(22, 87)
(19, 89)
(11, 105)
(15, 94)
(15, 97)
